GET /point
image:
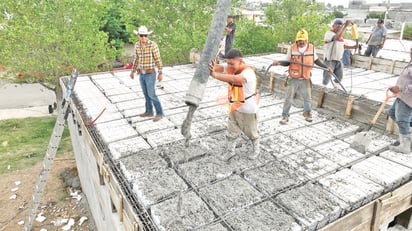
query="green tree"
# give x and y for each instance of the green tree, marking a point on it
(113, 24)
(288, 16)
(178, 25)
(254, 39)
(43, 39)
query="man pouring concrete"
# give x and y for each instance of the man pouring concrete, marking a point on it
(242, 99)
(401, 110)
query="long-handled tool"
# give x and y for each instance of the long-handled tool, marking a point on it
(284, 63)
(362, 139)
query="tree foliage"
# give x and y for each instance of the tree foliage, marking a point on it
(288, 16)
(254, 39)
(43, 39)
(113, 24)
(178, 25)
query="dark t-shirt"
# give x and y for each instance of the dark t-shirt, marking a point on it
(230, 36)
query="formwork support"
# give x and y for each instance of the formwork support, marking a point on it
(377, 213)
(349, 105)
(321, 97)
(272, 82)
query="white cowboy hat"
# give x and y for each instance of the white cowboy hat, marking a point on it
(142, 31)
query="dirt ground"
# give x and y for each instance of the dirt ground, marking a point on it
(57, 204)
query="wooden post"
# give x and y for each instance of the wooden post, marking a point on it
(393, 66)
(376, 215)
(271, 82)
(321, 96)
(348, 111)
(390, 126)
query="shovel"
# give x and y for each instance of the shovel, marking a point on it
(362, 139)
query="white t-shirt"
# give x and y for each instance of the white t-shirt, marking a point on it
(333, 49)
(250, 105)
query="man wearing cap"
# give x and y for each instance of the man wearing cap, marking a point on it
(300, 58)
(242, 99)
(334, 48)
(146, 60)
(376, 39)
(230, 30)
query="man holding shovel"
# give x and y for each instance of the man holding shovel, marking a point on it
(401, 110)
(300, 58)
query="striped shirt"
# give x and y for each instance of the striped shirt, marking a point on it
(147, 57)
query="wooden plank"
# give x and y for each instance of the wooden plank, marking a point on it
(125, 209)
(382, 65)
(361, 217)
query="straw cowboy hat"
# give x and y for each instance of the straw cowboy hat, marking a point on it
(142, 31)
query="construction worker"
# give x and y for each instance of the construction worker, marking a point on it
(242, 98)
(376, 39)
(300, 58)
(334, 48)
(401, 110)
(230, 30)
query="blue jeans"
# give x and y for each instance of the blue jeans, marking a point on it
(402, 114)
(372, 50)
(147, 82)
(346, 58)
(297, 85)
(337, 70)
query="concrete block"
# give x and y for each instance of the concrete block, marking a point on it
(385, 172)
(126, 147)
(339, 152)
(140, 163)
(402, 159)
(280, 145)
(310, 164)
(265, 216)
(115, 130)
(183, 213)
(310, 136)
(312, 206)
(351, 187)
(229, 195)
(165, 136)
(204, 171)
(156, 185)
(273, 178)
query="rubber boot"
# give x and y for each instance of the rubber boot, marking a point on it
(230, 150)
(256, 149)
(404, 146)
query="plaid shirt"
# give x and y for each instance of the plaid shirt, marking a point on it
(147, 57)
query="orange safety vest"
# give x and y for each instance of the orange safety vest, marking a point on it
(297, 70)
(236, 93)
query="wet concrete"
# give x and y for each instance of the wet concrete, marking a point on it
(306, 176)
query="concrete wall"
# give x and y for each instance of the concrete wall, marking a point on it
(100, 203)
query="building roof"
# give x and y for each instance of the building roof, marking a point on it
(306, 177)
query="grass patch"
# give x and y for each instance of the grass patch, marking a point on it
(23, 142)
